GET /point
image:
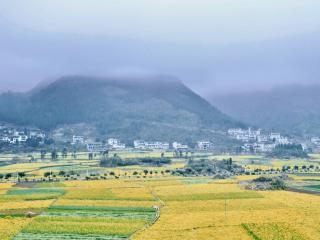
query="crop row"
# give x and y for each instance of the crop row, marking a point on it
(32, 191)
(66, 236)
(212, 196)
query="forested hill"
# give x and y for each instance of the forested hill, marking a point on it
(149, 108)
(291, 109)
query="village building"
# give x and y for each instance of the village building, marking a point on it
(96, 147)
(155, 146)
(78, 139)
(179, 146)
(116, 144)
(204, 145)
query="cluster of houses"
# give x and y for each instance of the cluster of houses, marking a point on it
(256, 141)
(112, 143)
(315, 143)
(13, 135)
(140, 145)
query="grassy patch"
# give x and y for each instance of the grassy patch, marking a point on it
(197, 181)
(279, 231)
(313, 187)
(123, 229)
(101, 212)
(61, 236)
(31, 191)
(250, 232)
(102, 208)
(50, 185)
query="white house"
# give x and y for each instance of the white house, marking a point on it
(315, 140)
(115, 143)
(143, 145)
(77, 139)
(96, 147)
(22, 138)
(179, 146)
(204, 145)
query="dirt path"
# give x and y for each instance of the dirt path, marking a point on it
(155, 219)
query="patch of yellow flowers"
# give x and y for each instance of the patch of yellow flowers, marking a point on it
(9, 227)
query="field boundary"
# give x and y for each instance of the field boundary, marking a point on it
(155, 219)
(298, 190)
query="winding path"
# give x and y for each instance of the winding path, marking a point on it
(155, 219)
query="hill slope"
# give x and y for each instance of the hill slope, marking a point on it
(148, 108)
(292, 109)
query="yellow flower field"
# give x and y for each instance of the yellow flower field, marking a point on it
(9, 227)
(141, 193)
(274, 215)
(198, 208)
(9, 205)
(111, 203)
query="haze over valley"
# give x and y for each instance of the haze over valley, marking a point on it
(159, 120)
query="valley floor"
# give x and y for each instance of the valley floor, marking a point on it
(155, 208)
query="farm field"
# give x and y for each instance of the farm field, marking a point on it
(190, 208)
(109, 209)
(145, 202)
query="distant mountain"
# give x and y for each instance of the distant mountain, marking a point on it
(291, 109)
(150, 108)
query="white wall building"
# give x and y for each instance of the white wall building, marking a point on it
(77, 139)
(116, 144)
(204, 145)
(96, 147)
(179, 146)
(244, 135)
(156, 146)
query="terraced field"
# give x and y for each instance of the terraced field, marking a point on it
(222, 210)
(190, 208)
(76, 210)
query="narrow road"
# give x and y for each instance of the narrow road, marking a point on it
(156, 218)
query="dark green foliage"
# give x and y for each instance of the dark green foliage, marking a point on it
(262, 179)
(8, 175)
(159, 108)
(116, 161)
(313, 187)
(288, 151)
(250, 232)
(21, 174)
(33, 142)
(223, 168)
(278, 184)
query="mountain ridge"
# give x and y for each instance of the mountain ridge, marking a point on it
(159, 107)
(293, 109)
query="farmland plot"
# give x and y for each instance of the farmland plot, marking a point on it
(225, 211)
(110, 213)
(190, 208)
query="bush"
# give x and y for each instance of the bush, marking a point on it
(288, 151)
(278, 184)
(263, 179)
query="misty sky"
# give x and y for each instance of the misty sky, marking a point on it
(213, 46)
